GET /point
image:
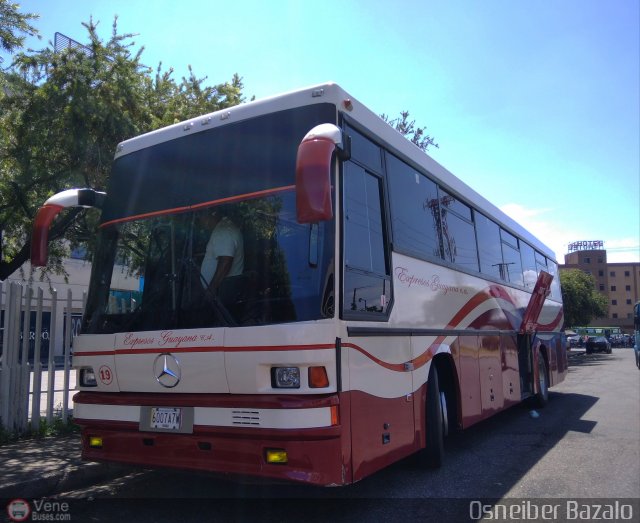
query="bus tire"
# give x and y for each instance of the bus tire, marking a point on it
(541, 397)
(435, 425)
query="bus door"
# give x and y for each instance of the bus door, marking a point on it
(525, 364)
(380, 369)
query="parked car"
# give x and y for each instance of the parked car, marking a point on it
(574, 341)
(598, 343)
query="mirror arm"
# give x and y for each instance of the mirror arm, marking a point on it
(50, 209)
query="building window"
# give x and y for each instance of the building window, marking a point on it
(627, 274)
(600, 259)
(627, 287)
(613, 288)
(602, 288)
(612, 274)
(628, 301)
(614, 302)
(600, 273)
(587, 260)
(614, 316)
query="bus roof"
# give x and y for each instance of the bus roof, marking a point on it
(356, 111)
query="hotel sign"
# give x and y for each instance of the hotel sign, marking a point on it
(586, 245)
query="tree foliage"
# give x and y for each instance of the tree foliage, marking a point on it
(407, 127)
(62, 115)
(581, 301)
(14, 26)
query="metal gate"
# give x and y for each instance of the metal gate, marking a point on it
(34, 385)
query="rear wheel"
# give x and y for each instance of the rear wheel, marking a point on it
(436, 423)
(542, 396)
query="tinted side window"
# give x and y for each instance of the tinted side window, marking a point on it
(489, 246)
(458, 235)
(556, 293)
(512, 266)
(529, 272)
(364, 239)
(541, 263)
(414, 208)
(365, 151)
(366, 275)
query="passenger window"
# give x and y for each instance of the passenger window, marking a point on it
(365, 151)
(458, 235)
(529, 272)
(415, 214)
(541, 263)
(512, 265)
(489, 246)
(556, 293)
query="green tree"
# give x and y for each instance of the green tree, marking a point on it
(582, 302)
(61, 118)
(14, 26)
(407, 127)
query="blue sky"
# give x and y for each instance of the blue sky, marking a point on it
(535, 104)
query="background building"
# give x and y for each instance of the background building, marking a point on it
(73, 284)
(619, 282)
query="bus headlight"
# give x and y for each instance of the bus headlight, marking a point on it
(87, 377)
(285, 377)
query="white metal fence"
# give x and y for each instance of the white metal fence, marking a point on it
(34, 383)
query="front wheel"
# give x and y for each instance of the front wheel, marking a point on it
(435, 421)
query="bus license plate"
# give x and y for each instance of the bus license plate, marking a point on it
(166, 418)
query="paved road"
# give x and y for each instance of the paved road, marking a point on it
(585, 444)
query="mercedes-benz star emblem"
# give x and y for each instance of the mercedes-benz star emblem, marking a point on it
(166, 369)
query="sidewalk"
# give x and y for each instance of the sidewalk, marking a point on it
(37, 468)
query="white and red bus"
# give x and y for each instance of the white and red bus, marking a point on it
(381, 303)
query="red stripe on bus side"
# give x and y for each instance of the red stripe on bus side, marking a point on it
(157, 350)
(556, 321)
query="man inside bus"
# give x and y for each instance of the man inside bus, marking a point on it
(224, 254)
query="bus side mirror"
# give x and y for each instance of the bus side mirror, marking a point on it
(49, 210)
(313, 173)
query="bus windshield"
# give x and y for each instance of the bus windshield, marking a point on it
(149, 269)
(149, 274)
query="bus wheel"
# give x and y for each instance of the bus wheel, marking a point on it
(542, 396)
(436, 425)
